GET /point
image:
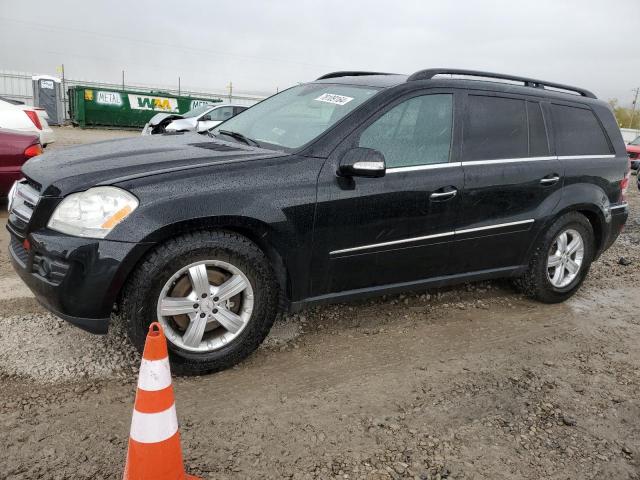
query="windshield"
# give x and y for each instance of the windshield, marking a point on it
(296, 116)
(197, 111)
(636, 141)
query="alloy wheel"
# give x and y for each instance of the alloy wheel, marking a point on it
(565, 258)
(205, 305)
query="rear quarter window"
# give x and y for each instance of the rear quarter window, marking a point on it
(578, 132)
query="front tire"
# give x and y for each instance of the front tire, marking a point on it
(561, 260)
(215, 294)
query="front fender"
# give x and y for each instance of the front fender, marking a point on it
(159, 117)
(273, 200)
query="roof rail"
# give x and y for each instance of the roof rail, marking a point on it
(348, 73)
(528, 82)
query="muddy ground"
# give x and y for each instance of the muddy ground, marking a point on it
(467, 383)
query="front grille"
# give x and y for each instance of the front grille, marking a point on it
(33, 184)
(23, 204)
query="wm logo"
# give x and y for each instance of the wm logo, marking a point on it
(154, 103)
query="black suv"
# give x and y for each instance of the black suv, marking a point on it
(357, 184)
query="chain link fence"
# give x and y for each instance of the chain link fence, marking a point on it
(19, 86)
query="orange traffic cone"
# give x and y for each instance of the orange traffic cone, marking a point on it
(154, 442)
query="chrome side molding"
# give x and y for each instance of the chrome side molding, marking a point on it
(616, 207)
(394, 242)
(433, 166)
(500, 225)
(427, 237)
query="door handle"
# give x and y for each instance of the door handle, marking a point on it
(550, 179)
(440, 196)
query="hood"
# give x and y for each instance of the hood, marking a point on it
(183, 124)
(60, 172)
(159, 117)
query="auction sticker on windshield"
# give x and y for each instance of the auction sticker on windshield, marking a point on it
(333, 98)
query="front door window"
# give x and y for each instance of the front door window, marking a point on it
(414, 132)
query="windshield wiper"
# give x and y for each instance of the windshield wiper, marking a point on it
(241, 137)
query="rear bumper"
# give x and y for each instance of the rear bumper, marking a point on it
(619, 215)
(76, 279)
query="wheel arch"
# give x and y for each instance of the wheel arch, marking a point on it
(255, 230)
(597, 221)
(593, 213)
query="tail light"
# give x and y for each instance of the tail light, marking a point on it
(33, 150)
(624, 183)
(34, 118)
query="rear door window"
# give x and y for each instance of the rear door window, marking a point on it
(578, 132)
(496, 128)
(414, 132)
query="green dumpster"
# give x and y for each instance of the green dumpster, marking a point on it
(96, 107)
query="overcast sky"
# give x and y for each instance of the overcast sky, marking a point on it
(263, 45)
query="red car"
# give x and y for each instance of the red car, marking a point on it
(633, 149)
(15, 149)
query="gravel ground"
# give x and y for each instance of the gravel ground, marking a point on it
(69, 136)
(465, 383)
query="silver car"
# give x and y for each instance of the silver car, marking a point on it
(200, 119)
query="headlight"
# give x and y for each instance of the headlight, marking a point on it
(93, 213)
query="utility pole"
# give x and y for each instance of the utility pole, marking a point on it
(64, 98)
(122, 80)
(230, 87)
(178, 86)
(635, 104)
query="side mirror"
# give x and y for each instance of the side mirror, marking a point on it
(362, 162)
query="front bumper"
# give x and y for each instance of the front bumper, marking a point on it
(77, 279)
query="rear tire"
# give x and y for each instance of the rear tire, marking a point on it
(543, 280)
(160, 272)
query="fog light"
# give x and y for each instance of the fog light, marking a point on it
(44, 269)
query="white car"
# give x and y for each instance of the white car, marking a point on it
(25, 118)
(200, 119)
